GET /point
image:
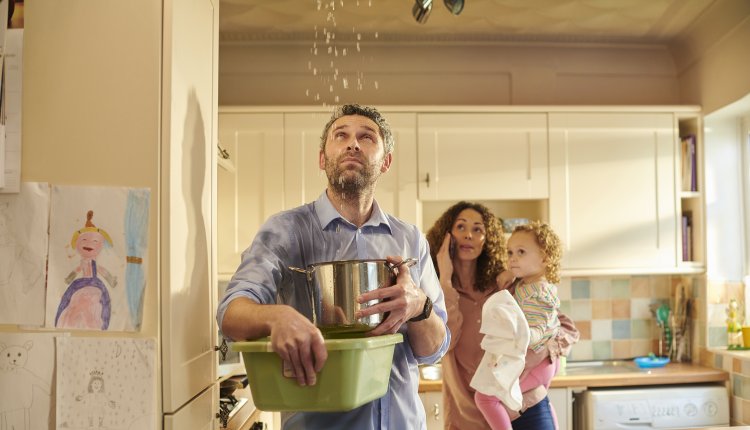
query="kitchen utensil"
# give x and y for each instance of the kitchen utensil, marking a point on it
(356, 372)
(662, 318)
(334, 286)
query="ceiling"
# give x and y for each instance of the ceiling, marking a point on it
(588, 21)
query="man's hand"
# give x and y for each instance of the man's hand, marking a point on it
(294, 338)
(402, 301)
(299, 344)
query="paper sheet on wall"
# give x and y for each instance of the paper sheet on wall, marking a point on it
(27, 363)
(106, 383)
(97, 257)
(23, 254)
(11, 110)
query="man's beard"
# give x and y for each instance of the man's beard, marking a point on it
(351, 182)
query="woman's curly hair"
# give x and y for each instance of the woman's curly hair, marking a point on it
(550, 245)
(492, 259)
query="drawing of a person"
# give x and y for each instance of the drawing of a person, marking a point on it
(95, 401)
(86, 303)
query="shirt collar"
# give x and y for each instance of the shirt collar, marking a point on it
(328, 214)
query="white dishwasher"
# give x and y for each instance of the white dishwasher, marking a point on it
(661, 407)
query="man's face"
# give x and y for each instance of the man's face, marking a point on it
(354, 156)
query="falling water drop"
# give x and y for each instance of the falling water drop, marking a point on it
(357, 46)
(376, 85)
(343, 52)
(336, 99)
(309, 65)
(317, 96)
(359, 36)
(330, 88)
(315, 71)
(346, 83)
(330, 49)
(307, 93)
(376, 34)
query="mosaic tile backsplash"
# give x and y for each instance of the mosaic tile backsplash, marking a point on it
(615, 314)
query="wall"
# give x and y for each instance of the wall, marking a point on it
(257, 73)
(711, 57)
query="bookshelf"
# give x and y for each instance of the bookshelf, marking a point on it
(691, 192)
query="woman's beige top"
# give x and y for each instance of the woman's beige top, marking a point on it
(461, 360)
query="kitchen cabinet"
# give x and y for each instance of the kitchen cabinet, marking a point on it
(483, 156)
(131, 108)
(561, 399)
(252, 188)
(613, 190)
(608, 179)
(433, 407)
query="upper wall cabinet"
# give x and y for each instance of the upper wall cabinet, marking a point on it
(482, 156)
(613, 191)
(251, 192)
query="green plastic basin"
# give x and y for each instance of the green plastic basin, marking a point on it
(356, 372)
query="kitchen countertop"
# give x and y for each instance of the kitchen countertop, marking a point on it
(673, 373)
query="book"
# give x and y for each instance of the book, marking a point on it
(688, 163)
(687, 236)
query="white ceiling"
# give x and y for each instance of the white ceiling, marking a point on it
(620, 21)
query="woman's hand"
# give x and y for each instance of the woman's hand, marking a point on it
(444, 259)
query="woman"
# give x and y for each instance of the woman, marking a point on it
(468, 249)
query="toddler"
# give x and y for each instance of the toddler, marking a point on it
(534, 253)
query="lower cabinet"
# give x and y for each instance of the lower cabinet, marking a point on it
(561, 400)
(433, 407)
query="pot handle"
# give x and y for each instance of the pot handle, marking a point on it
(408, 262)
(297, 269)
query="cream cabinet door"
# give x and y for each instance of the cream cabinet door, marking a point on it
(186, 203)
(304, 181)
(198, 414)
(433, 408)
(251, 188)
(612, 195)
(483, 156)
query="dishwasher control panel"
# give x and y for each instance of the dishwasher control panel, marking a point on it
(657, 407)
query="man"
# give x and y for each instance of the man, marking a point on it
(344, 223)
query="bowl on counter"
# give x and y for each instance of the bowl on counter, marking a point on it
(357, 371)
(650, 362)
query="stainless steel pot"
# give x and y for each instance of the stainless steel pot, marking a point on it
(333, 288)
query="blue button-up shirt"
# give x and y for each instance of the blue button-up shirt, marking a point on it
(315, 233)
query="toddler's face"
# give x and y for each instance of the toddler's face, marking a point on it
(525, 257)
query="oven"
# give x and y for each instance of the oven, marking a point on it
(654, 407)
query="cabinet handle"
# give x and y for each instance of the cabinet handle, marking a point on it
(427, 179)
(436, 411)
